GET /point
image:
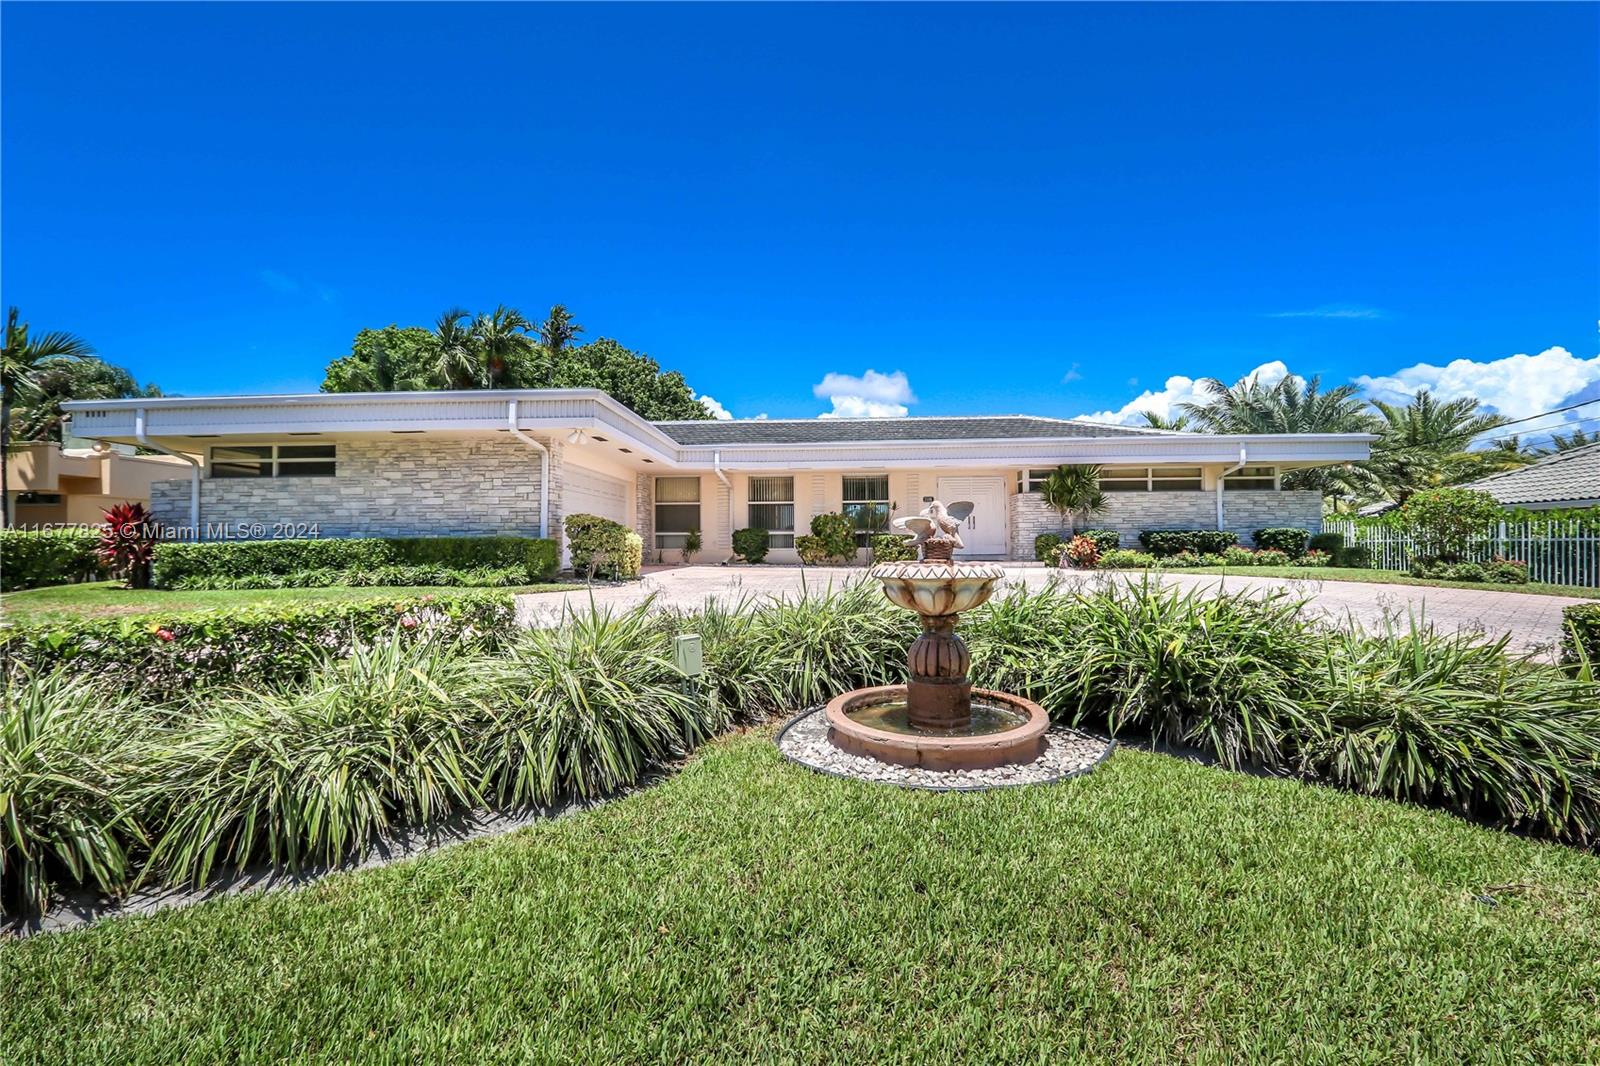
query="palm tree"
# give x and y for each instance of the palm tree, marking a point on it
(1175, 423)
(1565, 442)
(1074, 492)
(457, 364)
(1419, 443)
(555, 333)
(1506, 454)
(500, 335)
(1292, 405)
(20, 359)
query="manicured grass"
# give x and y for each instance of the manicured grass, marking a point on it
(103, 599)
(1384, 577)
(749, 910)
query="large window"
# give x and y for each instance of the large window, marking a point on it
(866, 504)
(772, 509)
(1032, 480)
(1150, 479)
(1252, 479)
(677, 510)
(273, 460)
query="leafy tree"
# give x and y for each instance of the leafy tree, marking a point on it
(1074, 492)
(1421, 445)
(39, 417)
(1444, 521)
(636, 380)
(391, 359)
(21, 359)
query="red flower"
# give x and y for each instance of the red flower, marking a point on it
(408, 622)
(166, 635)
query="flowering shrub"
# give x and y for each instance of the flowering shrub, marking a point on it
(1081, 553)
(128, 543)
(1237, 556)
(169, 656)
(1271, 557)
(1314, 557)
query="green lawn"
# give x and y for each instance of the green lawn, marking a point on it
(1384, 577)
(749, 910)
(101, 599)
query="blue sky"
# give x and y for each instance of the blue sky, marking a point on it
(1023, 208)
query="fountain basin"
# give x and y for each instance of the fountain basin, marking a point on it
(934, 589)
(1013, 731)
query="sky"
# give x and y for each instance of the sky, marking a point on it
(1057, 210)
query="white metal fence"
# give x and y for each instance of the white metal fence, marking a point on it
(1562, 551)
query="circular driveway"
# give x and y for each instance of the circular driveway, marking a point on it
(1532, 622)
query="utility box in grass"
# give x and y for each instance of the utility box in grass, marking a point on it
(686, 654)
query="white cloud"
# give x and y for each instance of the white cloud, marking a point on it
(1333, 311)
(1178, 390)
(1516, 386)
(1071, 375)
(872, 395)
(717, 410)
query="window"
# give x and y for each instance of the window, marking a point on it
(866, 504)
(772, 509)
(273, 460)
(1150, 479)
(40, 499)
(1252, 479)
(677, 509)
(1032, 480)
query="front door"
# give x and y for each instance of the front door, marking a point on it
(985, 528)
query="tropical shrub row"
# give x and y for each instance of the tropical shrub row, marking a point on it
(377, 577)
(161, 657)
(35, 558)
(99, 791)
(1496, 571)
(600, 546)
(1165, 542)
(207, 564)
(1231, 556)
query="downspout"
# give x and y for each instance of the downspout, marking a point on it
(716, 468)
(544, 470)
(194, 469)
(1231, 470)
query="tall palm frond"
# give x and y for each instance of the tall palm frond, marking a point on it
(457, 364)
(21, 358)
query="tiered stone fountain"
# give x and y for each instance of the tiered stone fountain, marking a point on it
(938, 721)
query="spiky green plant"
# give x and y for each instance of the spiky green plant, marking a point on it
(1014, 638)
(586, 708)
(784, 653)
(65, 814)
(312, 774)
(1220, 672)
(1452, 720)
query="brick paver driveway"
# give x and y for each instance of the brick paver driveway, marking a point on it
(1532, 622)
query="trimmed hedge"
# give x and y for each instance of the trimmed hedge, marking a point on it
(602, 546)
(1168, 542)
(1286, 539)
(892, 548)
(168, 657)
(751, 545)
(176, 562)
(1354, 557)
(379, 577)
(36, 558)
(1332, 543)
(1581, 633)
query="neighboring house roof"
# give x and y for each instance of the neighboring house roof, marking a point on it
(861, 430)
(1571, 477)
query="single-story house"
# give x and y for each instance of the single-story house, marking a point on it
(1565, 479)
(52, 485)
(516, 461)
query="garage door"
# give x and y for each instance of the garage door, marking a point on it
(587, 492)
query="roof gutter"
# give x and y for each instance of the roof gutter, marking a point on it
(544, 468)
(1240, 465)
(143, 438)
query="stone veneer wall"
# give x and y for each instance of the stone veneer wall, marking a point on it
(644, 512)
(402, 486)
(1133, 512)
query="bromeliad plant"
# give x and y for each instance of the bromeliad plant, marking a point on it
(128, 543)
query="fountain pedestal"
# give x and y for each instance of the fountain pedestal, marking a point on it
(932, 720)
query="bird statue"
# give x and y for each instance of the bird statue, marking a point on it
(936, 532)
